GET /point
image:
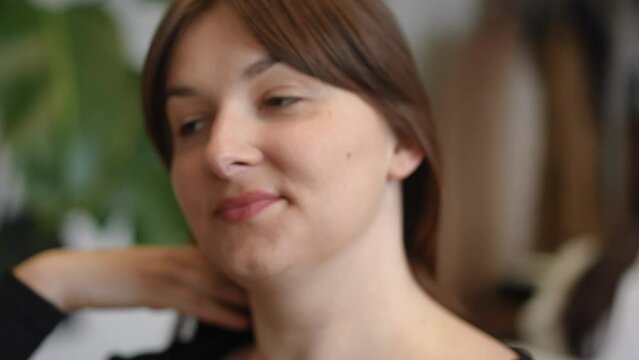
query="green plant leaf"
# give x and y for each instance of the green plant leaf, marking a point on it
(71, 114)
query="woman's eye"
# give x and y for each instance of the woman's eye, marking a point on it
(280, 101)
(190, 127)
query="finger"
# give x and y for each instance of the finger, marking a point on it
(208, 281)
(190, 256)
(193, 270)
(225, 316)
(233, 296)
(230, 291)
(210, 311)
(206, 286)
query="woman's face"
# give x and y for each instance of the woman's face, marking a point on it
(274, 170)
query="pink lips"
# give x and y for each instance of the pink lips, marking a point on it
(245, 206)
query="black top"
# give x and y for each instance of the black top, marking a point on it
(26, 319)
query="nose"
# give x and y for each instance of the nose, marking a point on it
(231, 149)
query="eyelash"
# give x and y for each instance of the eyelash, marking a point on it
(193, 125)
(190, 127)
(280, 101)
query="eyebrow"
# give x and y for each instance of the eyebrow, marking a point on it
(181, 91)
(251, 72)
(258, 68)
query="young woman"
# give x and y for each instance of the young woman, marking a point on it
(302, 153)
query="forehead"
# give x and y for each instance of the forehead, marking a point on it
(217, 41)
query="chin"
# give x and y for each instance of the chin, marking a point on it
(253, 261)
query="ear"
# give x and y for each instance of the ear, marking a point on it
(406, 158)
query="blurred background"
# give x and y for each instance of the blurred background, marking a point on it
(537, 108)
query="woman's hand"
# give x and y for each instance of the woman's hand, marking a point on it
(155, 277)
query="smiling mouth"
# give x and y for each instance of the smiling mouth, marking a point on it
(245, 206)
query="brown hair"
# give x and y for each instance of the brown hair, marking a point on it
(351, 44)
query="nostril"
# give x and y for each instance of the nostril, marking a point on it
(227, 165)
(231, 167)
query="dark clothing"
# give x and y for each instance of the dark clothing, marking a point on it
(26, 319)
(523, 354)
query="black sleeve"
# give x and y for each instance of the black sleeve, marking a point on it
(523, 354)
(25, 318)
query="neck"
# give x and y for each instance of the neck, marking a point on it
(355, 305)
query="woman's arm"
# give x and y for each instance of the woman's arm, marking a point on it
(62, 281)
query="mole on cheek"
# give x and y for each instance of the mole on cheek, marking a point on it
(349, 155)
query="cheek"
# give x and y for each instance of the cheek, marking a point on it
(336, 153)
(335, 170)
(185, 186)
